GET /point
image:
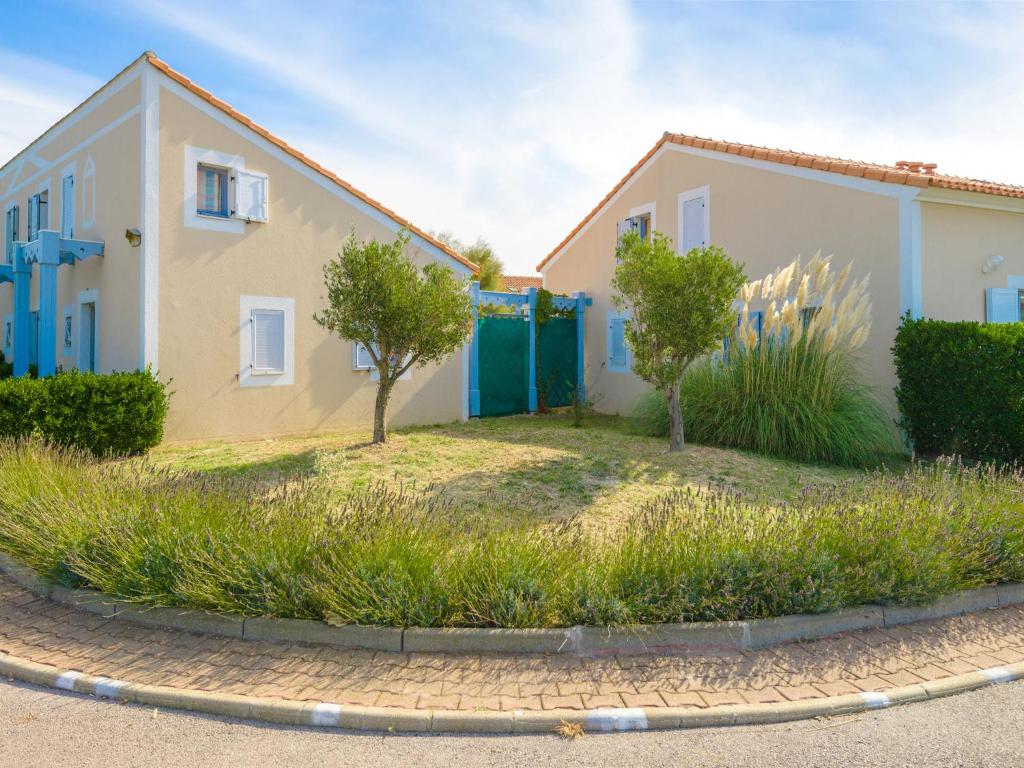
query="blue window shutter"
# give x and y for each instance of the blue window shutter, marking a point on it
(618, 350)
(756, 321)
(1002, 305)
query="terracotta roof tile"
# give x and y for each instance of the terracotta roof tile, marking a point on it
(515, 283)
(229, 110)
(926, 177)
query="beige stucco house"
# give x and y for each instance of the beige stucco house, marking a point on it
(217, 285)
(936, 246)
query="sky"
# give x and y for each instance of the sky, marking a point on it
(510, 120)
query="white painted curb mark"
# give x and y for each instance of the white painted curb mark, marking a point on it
(107, 689)
(66, 681)
(616, 719)
(998, 674)
(326, 715)
(875, 699)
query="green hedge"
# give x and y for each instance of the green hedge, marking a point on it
(112, 414)
(961, 387)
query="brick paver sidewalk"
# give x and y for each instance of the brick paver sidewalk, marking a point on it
(873, 660)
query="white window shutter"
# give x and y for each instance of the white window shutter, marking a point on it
(694, 234)
(632, 224)
(251, 193)
(1002, 305)
(67, 207)
(268, 340)
(361, 360)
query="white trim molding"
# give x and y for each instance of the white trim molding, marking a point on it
(910, 254)
(149, 272)
(246, 376)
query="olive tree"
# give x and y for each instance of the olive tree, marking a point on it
(404, 316)
(680, 307)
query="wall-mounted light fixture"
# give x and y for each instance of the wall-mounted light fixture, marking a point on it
(134, 237)
(992, 263)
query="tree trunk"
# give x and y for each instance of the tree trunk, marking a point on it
(380, 412)
(675, 414)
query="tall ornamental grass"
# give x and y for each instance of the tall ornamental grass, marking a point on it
(388, 557)
(793, 389)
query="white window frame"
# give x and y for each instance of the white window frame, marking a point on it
(88, 193)
(612, 315)
(247, 375)
(67, 313)
(647, 209)
(684, 197)
(194, 157)
(66, 171)
(88, 296)
(374, 373)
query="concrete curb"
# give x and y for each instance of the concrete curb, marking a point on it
(600, 720)
(580, 641)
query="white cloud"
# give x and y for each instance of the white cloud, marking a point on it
(511, 121)
(34, 94)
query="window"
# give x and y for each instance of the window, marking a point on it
(211, 191)
(221, 194)
(67, 330)
(266, 341)
(620, 360)
(10, 233)
(694, 221)
(67, 205)
(361, 361)
(38, 213)
(1004, 305)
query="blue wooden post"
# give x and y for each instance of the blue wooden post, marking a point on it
(474, 352)
(531, 298)
(22, 313)
(581, 308)
(49, 261)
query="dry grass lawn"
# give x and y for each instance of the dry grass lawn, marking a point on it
(540, 466)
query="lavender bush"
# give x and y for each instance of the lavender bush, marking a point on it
(388, 557)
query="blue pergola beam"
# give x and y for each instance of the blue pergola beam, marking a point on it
(49, 250)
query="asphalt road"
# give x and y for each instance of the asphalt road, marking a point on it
(41, 728)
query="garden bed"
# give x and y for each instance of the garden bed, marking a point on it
(389, 557)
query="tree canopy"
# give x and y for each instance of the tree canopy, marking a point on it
(680, 307)
(403, 315)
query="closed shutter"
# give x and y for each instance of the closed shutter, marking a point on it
(632, 224)
(33, 217)
(268, 340)
(694, 231)
(67, 207)
(1002, 305)
(618, 351)
(251, 196)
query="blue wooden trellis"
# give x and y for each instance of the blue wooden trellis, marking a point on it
(49, 250)
(525, 303)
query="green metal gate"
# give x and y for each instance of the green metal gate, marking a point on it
(504, 343)
(557, 366)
